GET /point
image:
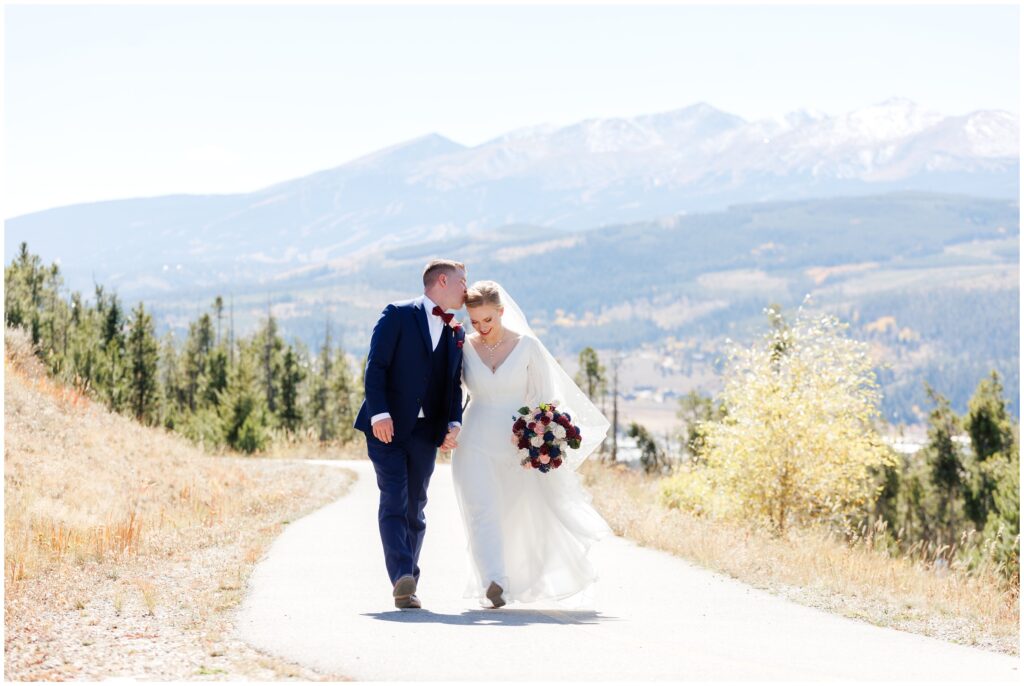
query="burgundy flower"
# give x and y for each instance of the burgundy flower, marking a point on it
(545, 420)
(543, 450)
(524, 443)
(557, 462)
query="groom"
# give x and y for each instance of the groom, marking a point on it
(413, 406)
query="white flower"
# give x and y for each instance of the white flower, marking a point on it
(558, 430)
(537, 441)
(524, 454)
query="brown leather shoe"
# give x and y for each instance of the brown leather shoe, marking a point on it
(405, 590)
(408, 602)
(494, 592)
(405, 585)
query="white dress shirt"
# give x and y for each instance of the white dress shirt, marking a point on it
(436, 326)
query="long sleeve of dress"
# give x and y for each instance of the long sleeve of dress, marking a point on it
(539, 384)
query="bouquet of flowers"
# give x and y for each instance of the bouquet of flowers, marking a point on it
(542, 435)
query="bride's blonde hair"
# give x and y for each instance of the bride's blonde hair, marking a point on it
(483, 293)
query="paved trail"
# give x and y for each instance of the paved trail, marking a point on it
(321, 598)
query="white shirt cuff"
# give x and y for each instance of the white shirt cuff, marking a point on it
(454, 425)
(377, 417)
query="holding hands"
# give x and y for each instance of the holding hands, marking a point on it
(449, 440)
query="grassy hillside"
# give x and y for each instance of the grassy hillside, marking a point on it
(125, 547)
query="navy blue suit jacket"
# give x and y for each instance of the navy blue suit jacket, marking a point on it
(398, 370)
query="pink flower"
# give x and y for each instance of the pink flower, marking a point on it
(544, 459)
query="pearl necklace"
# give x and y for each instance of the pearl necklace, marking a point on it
(492, 348)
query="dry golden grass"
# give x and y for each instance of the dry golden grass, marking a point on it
(308, 448)
(126, 547)
(815, 569)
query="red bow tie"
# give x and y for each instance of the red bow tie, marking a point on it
(446, 316)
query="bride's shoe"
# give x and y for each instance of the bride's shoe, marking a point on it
(494, 592)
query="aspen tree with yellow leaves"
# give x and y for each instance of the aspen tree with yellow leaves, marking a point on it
(799, 443)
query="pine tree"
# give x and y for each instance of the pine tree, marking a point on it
(320, 393)
(113, 321)
(54, 321)
(23, 291)
(652, 458)
(173, 400)
(198, 346)
(946, 463)
(334, 395)
(345, 397)
(991, 431)
(992, 499)
(591, 375)
(33, 300)
(1003, 525)
(242, 407)
(112, 375)
(215, 379)
(83, 346)
(143, 359)
(272, 347)
(292, 376)
(218, 312)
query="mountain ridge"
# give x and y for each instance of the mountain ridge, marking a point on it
(595, 172)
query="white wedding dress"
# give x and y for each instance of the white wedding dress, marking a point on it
(526, 530)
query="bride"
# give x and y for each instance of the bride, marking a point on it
(528, 532)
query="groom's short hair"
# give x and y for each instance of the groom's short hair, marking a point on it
(436, 268)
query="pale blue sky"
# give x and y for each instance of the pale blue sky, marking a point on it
(122, 101)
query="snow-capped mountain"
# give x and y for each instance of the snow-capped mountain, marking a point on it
(592, 173)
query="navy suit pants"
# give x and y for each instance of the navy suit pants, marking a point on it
(403, 473)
